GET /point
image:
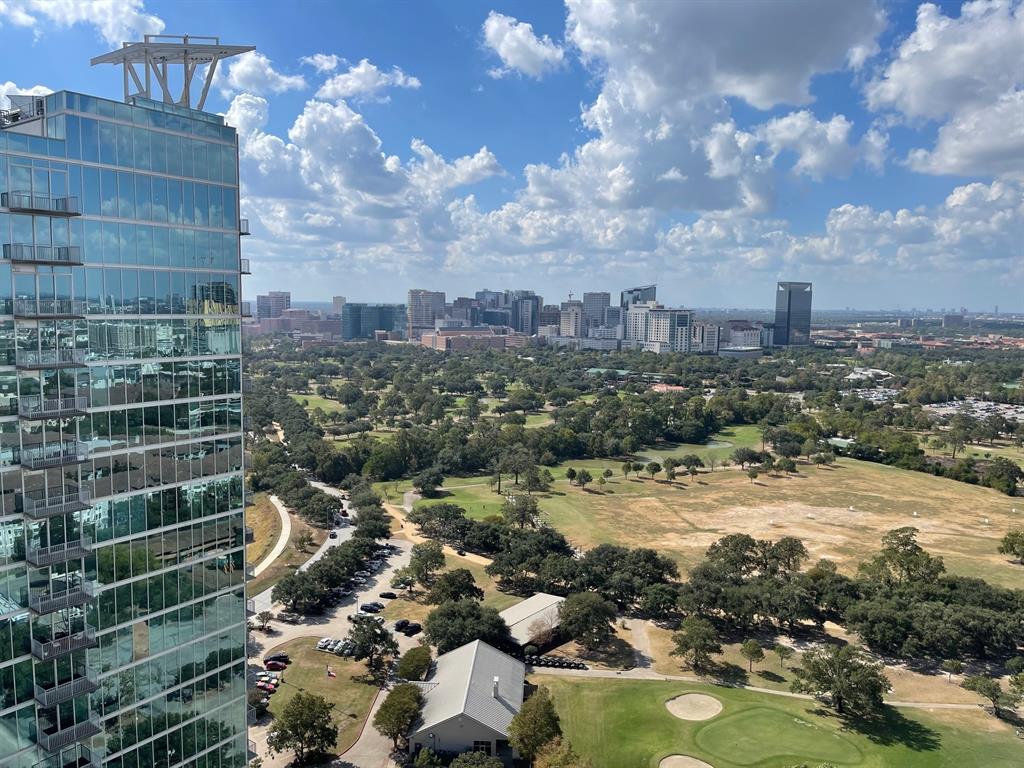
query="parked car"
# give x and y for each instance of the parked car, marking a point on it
(360, 615)
(332, 535)
(460, 552)
(401, 624)
(282, 657)
(323, 641)
(362, 574)
(275, 665)
(388, 595)
(290, 618)
(371, 607)
(344, 513)
(412, 628)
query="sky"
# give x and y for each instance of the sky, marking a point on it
(873, 148)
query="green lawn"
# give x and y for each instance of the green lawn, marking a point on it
(348, 692)
(624, 724)
(312, 402)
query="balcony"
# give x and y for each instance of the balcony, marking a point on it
(250, 746)
(61, 255)
(58, 553)
(250, 607)
(246, 309)
(35, 407)
(243, 267)
(58, 601)
(45, 651)
(85, 682)
(41, 309)
(52, 455)
(51, 742)
(35, 359)
(250, 716)
(249, 534)
(250, 573)
(80, 756)
(243, 226)
(26, 202)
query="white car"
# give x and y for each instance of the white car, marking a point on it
(324, 641)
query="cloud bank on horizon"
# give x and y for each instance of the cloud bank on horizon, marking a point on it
(704, 128)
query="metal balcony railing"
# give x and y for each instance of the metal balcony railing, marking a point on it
(24, 253)
(249, 534)
(57, 601)
(243, 267)
(243, 226)
(58, 553)
(36, 407)
(79, 756)
(246, 309)
(51, 742)
(52, 455)
(250, 607)
(44, 651)
(251, 749)
(250, 573)
(34, 359)
(250, 716)
(54, 206)
(48, 308)
(83, 682)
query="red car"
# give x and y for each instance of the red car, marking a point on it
(275, 666)
(268, 687)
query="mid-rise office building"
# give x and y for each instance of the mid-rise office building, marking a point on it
(550, 314)
(337, 305)
(669, 330)
(273, 304)
(706, 337)
(594, 306)
(363, 321)
(571, 321)
(424, 308)
(122, 565)
(639, 295)
(793, 314)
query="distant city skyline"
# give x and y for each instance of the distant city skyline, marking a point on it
(834, 143)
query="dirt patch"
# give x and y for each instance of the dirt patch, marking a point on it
(693, 706)
(682, 761)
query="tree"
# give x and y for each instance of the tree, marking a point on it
(558, 754)
(427, 758)
(1013, 544)
(534, 725)
(372, 642)
(627, 467)
(607, 473)
(427, 557)
(583, 477)
(263, 619)
(784, 652)
(303, 540)
(853, 684)
(304, 726)
(752, 474)
(587, 618)
(414, 663)
(398, 712)
(476, 760)
(454, 624)
(428, 481)
(752, 651)
(695, 641)
(536, 479)
(457, 584)
(952, 667)
(298, 591)
(744, 456)
(1015, 665)
(570, 474)
(809, 447)
(601, 481)
(692, 471)
(989, 688)
(786, 465)
(521, 511)
(652, 468)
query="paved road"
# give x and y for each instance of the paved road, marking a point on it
(282, 540)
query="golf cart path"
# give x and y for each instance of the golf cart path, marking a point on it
(643, 674)
(282, 540)
(409, 530)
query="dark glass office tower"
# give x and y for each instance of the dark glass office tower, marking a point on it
(793, 314)
(122, 571)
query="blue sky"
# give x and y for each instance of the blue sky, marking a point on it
(876, 149)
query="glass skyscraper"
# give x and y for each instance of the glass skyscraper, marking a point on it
(122, 571)
(792, 314)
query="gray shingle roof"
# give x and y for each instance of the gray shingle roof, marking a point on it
(464, 682)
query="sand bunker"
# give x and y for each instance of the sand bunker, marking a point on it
(682, 761)
(692, 706)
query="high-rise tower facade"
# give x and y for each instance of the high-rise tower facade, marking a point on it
(793, 314)
(122, 570)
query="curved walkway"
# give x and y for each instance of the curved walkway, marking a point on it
(409, 530)
(282, 540)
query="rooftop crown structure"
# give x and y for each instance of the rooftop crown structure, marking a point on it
(158, 53)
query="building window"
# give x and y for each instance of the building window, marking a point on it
(482, 746)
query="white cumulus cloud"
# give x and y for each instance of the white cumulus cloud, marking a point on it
(365, 81)
(116, 21)
(519, 48)
(253, 72)
(323, 62)
(6, 89)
